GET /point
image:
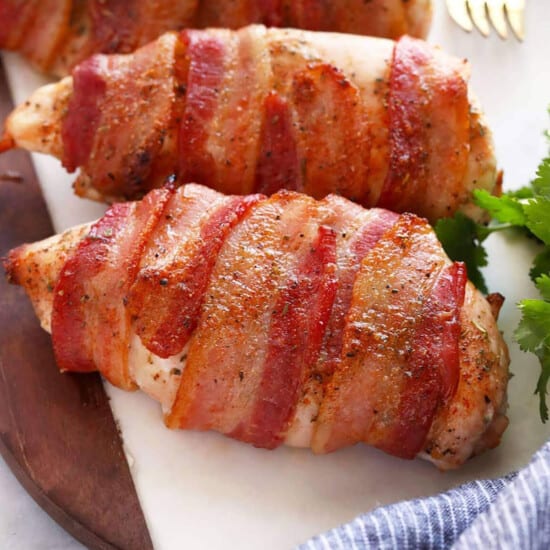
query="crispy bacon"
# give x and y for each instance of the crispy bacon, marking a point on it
(113, 25)
(428, 121)
(88, 296)
(204, 81)
(46, 31)
(57, 34)
(131, 105)
(278, 165)
(250, 277)
(264, 109)
(84, 112)
(278, 320)
(434, 363)
(356, 14)
(389, 290)
(271, 13)
(308, 14)
(19, 14)
(158, 16)
(166, 298)
(358, 235)
(333, 141)
(295, 336)
(236, 127)
(36, 28)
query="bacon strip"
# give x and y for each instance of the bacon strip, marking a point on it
(333, 137)
(356, 241)
(271, 12)
(278, 165)
(228, 351)
(307, 14)
(296, 333)
(114, 25)
(137, 115)
(206, 71)
(69, 319)
(234, 128)
(158, 16)
(89, 294)
(433, 365)
(45, 32)
(78, 40)
(166, 298)
(36, 28)
(386, 309)
(19, 14)
(84, 112)
(429, 124)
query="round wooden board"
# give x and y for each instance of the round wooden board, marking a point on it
(57, 432)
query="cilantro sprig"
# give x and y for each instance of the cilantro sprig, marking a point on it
(527, 211)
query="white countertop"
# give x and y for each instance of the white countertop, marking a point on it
(513, 83)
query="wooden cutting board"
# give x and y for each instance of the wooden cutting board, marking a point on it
(57, 432)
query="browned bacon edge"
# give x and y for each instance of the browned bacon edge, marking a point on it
(417, 299)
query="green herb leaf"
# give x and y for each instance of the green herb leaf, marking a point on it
(543, 284)
(526, 192)
(537, 211)
(541, 184)
(505, 209)
(542, 384)
(541, 264)
(461, 241)
(533, 334)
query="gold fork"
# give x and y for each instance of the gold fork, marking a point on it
(468, 13)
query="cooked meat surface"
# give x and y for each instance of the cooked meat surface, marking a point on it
(280, 320)
(56, 35)
(389, 124)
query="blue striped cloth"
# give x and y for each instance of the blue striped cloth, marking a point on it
(512, 512)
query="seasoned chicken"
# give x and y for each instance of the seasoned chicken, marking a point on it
(389, 124)
(55, 35)
(279, 320)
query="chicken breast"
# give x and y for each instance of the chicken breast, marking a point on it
(280, 320)
(382, 123)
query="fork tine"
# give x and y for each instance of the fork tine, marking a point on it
(515, 10)
(459, 12)
(483, 13)
(478, 14)
(497, 15)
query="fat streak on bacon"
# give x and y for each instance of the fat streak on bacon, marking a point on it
(383, 123)
(280, 320)
(55, 35)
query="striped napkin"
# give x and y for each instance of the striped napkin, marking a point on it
(512, 512)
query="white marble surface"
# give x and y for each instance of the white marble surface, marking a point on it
(203, 487)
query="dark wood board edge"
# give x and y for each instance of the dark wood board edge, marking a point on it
(57, 432)
(60, 516)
